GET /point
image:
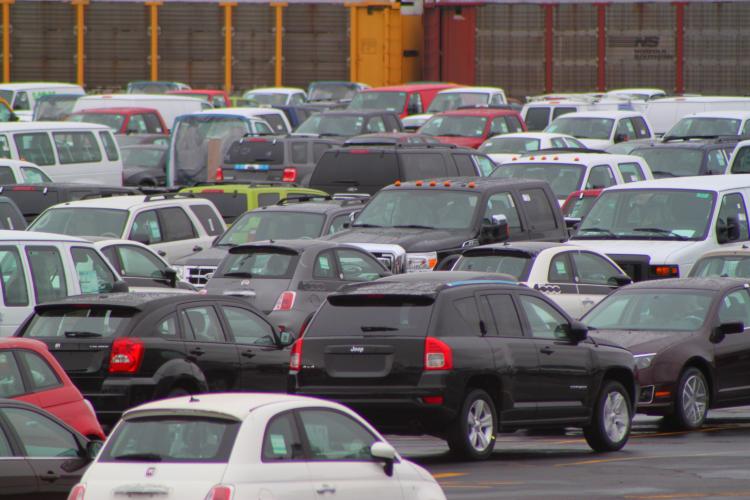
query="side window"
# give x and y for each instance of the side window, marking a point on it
(499, 126)
(375, 125)
(204, 324)
(168, 328)
(325, 267)
(35, 147)
(40, 436)
(575, 143)
(335, 436)
(506, 317)
(282, 441)
(357, 266)
(337, 224)
(21, 102)
(558, 143)
(47, 273)
(415, 103)
(497, 100)
(4, 147)
(560, 269)
(266, 199)
(11, 383)
(600, 177)
(641, 129)
(465, 165)
(15, 289)
(631, 172)
(299, 152)
(732, 206)
(558, 111)
(486, 166)
(503, 204)
(262, 128)
(392, 123)
(625, 130)
(544, 320)
(137, 125)
(248, 328)
(77, 147)
(146, 228)
(6, 176)
(423, 165)
(464, 316)
(153, 125)
(177, 224)
(746, 128)
(208, 218)
(593, 270)
(5, 450)
(42, 376)
(94, 276)
(33, 175)
(138, 263)
(735, 307)
(537, 118)
(514, 124)
(716, 161)
(539, 210)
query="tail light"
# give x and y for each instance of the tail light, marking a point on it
(220, 492)
(219, 174)
(285, 302)
(289, 175)
(437, 355)
(126, 355)
(295, 360)
(665, 271)
(77, 493)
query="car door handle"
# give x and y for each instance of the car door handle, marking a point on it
(196, 248)
(197, 351)
(587, 301)
(50, 477)
(325, 488)
(546, 350)
(248, 354)
(162, 253)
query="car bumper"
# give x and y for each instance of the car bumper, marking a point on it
(656, 399)
(118, 395)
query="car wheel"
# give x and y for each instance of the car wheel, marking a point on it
(472, 434)
(609, 429)
(691, 401)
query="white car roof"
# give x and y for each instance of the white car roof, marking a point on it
(472, 90)
(26, 236)
(137, 97)
(649, 91)
(534, 135)
(53, 126)
(16, 163)
(738, 115)
(37, 85)
(614, 114)
(244, 112)
(701, 98)
(588, 159)
(126, 202)
(275, 90)
(715, 183)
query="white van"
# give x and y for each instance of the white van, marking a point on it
(664, 113)
(40, 267)
(658, 229)
(22, 96)
(711, 124)
(599, 129)
(65, 151)
(169, 106)
(540, 113)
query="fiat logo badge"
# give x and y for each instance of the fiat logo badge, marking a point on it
(150, 471)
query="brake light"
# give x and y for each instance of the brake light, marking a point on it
(289, 175)
(77, 493)
(24, 188)
(220, 492)
(219, 174)
(437, 355)
(359, 151)
(126, 355)
(295, 360)
(256, 139)
(285, 302)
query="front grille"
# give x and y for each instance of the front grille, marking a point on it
(198, 275)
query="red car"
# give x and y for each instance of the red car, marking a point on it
(218, 98)
(578, 204)
(471, 127)
(29, 373)
(124, 120)
(408, 99)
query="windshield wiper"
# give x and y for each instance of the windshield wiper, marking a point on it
(378, 329)
(663, 173)
(599, 230)
(665, 232)
(415, 226)
(329, 134)
(82, 335)
(145, 457)
(363, 224)
(237, 274)
(349, 181)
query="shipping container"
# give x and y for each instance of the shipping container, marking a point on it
(450, 43)
(253, 46)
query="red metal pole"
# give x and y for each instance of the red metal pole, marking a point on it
(679, 77)
(601, 39)
(549, 19)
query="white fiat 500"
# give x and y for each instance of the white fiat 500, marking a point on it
(249, 446)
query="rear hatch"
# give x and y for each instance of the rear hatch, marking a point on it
(231, 203)
(355, 170)
(255, 158)
(365, 340)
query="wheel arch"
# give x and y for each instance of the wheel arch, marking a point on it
(627, 379)
(705, 367)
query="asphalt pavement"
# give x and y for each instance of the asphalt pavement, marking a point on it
(711, 463)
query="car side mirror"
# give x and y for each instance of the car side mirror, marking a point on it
(92, 449)
(496, 231)
(13, 117)
(386, 453)
(286, 338)
(578, 331)
(171, 276)
(725, 329)
(141, 238)
(447, 263)
(619, 280)
(620, 138)
(120, 286)
(728, 231)
(572, 222)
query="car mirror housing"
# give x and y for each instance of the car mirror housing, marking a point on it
(386, 453)
(120, 286)
(731, 328)
(620, 280)
(93, 448)
(286, 338)
(171, 276)
(578, 331)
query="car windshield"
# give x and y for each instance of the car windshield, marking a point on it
(672, 162)
(258, 263)
(150, 157)
(455, 126)
(455, 100)
(563, 178)
(111, 120)
(78, 321)
(151, 87)
(583, 128)
(390, 101)
(649, 214)
(724, 266)
(578, 207)
(54, 107)
(420, 208)
(172, 439)
(267, 98)
(704, 127)
(335, 125)
(88, 221)
(332, 91)
(516, 265)
(262, 225)
(509, 145)
(660, 310)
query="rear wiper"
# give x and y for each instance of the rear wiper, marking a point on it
(356, 183)
(145, 457)
(415, 226)
(329, 134)
(599, 230)
(365, 225)
(663, 173)
(237, 274)
(666, 232)
(82, 335)
(378, 329)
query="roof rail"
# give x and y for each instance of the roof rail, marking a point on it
(485, 106)
(303, 198)
(253, 183)
(167, 196)
(565, 150)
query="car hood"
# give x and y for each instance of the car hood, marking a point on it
(411, 240)
(641, 341)
(660, 251)
(209, 257)
(596, 143)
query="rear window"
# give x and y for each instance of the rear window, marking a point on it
(537, 118)
(258, 264)
(424, 166)
(77, 147)
(372, 316)
(207, 216)
(229, 205)
(172, 440)
(358, 168)
(255, 152)
(78, 322)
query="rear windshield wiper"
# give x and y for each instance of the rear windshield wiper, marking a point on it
(663, 173)
(378, 329)
(145, 457)
(599, 230)
(365, 225)
(82, 335)
(236, 274)
(415, 226)
(348, 181)
(665, 232)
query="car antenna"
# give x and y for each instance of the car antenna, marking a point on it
(193, 399)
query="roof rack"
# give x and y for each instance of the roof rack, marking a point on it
(167, 196)
(566, 150)
(303, 198)
(253, 183)
(347, 199)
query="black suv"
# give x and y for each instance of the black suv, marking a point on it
(122, 350)
(681, 157)
(432, 219)
(291, 218)
(462, 358)
(367, 169)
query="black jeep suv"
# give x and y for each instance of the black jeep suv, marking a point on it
(460, 358)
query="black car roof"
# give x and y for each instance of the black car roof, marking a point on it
(479, 183)
(294, 246)
(711, 284)
(403, 147)
(426, 284)
(139, 301)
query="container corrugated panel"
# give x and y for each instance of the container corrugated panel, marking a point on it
(316, 43)
(641, 45)
(575, 48)
(117, 44)
(458, 45)
(253, 46)
(43, 41)
(510, 48)
(717, 41)
(431, 54)
(191, 45)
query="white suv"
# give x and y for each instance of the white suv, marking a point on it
(174, 225)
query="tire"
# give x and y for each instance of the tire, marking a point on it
(691, 401)
(609, 429)
(472, 434)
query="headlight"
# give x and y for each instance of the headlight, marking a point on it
(417, 262)
(182, 272)
(643, 361)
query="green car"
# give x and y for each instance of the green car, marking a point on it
(232, 200)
